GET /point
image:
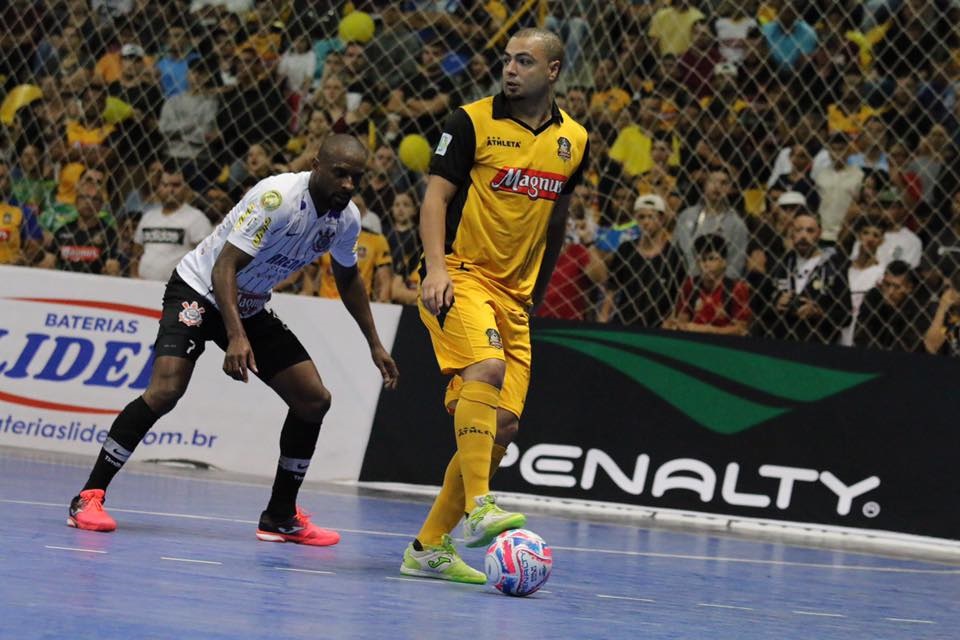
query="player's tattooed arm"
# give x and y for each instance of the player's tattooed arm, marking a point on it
(239, 356)
(356, 300)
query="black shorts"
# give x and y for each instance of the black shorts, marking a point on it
(189, 320)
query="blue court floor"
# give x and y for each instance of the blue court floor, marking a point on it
(184, 564)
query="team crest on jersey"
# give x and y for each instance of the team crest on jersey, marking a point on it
(192, 314)
(271, 200)
(493, 337)
(563, 148)
(323, 240)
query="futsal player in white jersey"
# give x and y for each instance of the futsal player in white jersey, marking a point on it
(219, 291)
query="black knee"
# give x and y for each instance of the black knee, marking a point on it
(163, 394)
(312, 409)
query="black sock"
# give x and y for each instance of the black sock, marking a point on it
(417, 546)
(298, 439)
(125, 434)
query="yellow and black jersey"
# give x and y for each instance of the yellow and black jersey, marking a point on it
(508, 176)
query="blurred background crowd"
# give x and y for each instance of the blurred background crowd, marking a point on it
(784, 169)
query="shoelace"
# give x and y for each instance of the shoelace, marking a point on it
(303, 516)
(93, 504)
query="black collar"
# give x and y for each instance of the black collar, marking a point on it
(501, 111)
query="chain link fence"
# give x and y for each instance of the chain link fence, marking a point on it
(779, 169)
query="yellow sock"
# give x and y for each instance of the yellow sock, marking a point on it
(475, 425)
(446, 510)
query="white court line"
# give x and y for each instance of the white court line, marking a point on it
(189, 560)
(53, 546)
(325, 573)
(910, 620)
(609, 597)
(723, 606)
(643, 554)
(820, 614)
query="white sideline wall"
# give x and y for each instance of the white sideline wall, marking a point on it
(73, 356)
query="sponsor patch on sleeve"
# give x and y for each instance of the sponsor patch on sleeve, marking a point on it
(445, 140)
(271, 200)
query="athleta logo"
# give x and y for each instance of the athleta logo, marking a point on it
(496, 141)
(533, 184)
(462, 431)
(192, 314)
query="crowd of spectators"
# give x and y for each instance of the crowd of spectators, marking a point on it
(784, 169)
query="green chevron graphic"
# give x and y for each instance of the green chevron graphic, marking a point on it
(712, 408)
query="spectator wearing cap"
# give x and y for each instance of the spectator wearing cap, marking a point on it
(806, 297)
(714, 215)
(137, 86)
(645, 274)
(790, 39)
(695, 67)
(798, 178)
(711, 302)
(890, 318)
(188, 122)
(899, 242)
(173, 64)
(838, 187)
(865, 271)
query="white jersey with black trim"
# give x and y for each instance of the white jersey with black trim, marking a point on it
(277, 223)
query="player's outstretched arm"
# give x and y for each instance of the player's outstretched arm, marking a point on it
(436, 288)
(355, 299)
(239, 355)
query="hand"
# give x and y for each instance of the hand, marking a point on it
(239, 358)
(436, 291)
(783, 302)
(808, 309)
(388, 368)
(950, 298)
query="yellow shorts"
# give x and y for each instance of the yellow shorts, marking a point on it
(483, 324)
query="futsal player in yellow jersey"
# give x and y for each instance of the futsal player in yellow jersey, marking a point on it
(492, 224)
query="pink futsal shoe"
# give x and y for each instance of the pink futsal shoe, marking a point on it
(87, 512)
(297, 528)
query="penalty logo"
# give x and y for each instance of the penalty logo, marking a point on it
(493, 337)
(192, 314)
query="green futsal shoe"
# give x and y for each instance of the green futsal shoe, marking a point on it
(487, 521)
(441, 562)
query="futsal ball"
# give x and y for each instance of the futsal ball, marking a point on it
(356, 26)
(518, 562)
(414, 152)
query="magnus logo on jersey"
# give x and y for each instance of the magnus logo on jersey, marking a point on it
(161, 235)
(533, 184)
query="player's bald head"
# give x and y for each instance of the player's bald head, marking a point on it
(341, 147)
(550, 43)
